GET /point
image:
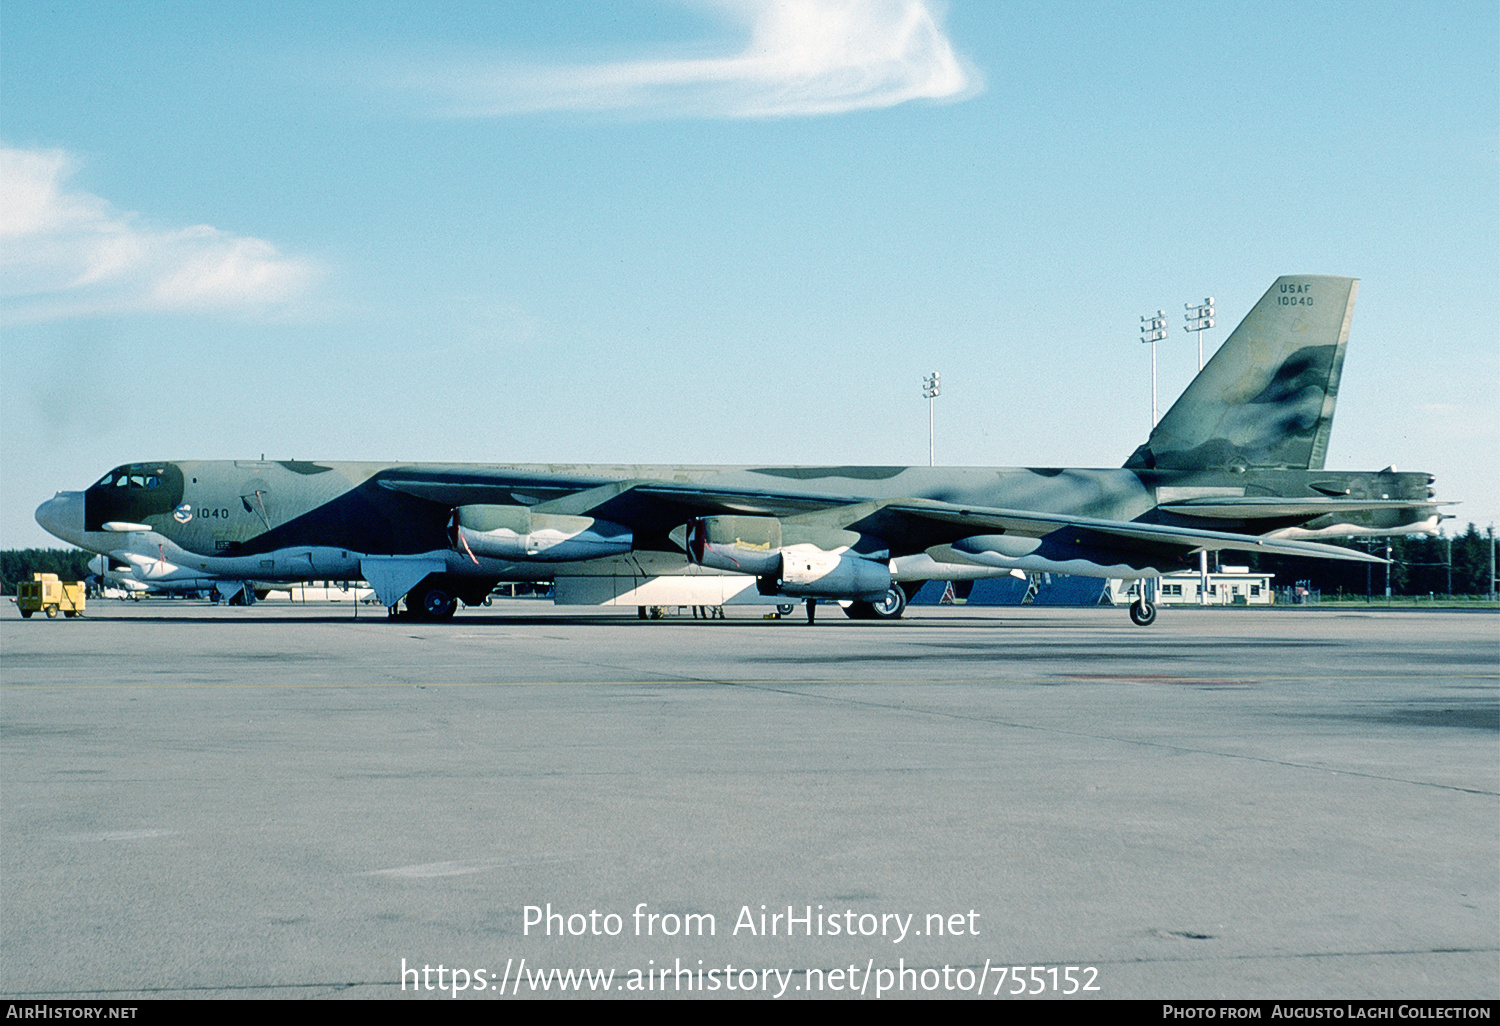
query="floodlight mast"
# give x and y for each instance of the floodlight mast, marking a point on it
(1199, 317)
(1492, 562)
(1154, 330)
(932, 387)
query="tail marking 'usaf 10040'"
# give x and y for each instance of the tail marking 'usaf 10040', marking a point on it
(1236, 464)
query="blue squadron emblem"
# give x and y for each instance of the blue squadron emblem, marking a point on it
(182, 514)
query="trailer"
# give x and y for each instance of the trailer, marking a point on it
(44, 593)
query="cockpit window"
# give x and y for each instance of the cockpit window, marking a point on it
(142, 477)
(133, 492)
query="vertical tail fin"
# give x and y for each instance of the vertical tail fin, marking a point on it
(1266, 398)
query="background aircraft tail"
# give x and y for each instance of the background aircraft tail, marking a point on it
(1266, 398)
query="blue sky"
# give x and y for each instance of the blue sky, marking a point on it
(725, 232)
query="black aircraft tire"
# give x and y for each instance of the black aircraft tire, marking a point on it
(1142, 614)
(892, 606)
(434, 603)
(858, 610)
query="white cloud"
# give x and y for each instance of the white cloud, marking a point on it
(802, 58)
(65, 253)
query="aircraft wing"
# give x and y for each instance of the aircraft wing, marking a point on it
(636, 503)
(654, 508)
(913, 525)
(963, 521)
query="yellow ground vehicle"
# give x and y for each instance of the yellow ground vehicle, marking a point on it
(46, 594)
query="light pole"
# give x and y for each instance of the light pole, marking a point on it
(1492, 562)
(1153, 330)
(1199, 317)
(932, 387)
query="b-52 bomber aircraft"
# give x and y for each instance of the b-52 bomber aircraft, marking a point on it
(1236, 464)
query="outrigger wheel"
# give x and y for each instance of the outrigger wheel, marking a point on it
(1142, 613)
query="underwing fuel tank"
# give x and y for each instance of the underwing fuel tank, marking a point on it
(516, 533)
(791, 559)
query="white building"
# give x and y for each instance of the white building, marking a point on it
(1229, 586)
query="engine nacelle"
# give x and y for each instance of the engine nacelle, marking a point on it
(793, 559)
(810, 572)
(515, 532)
(744, 545)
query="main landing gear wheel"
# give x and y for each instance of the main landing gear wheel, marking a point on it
(1142, 614)
(892, 606)
(889, 608)
(432, 603)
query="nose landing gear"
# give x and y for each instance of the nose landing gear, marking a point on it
(1142, 613)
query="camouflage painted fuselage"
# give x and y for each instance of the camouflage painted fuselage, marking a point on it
(293, 521)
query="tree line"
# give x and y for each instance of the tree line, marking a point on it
(20, 564)
(1420, 566)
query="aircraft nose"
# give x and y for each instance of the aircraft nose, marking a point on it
(62, 515)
